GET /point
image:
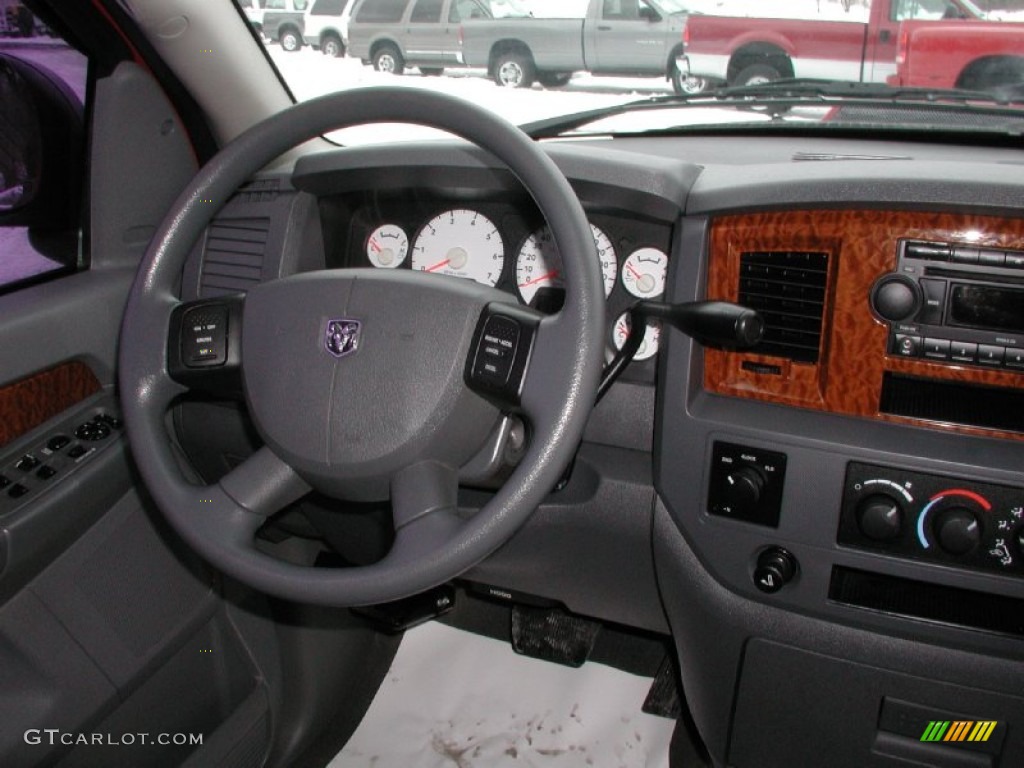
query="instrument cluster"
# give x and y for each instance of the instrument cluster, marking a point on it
(503, 246)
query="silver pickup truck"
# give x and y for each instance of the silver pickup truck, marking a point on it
(616, 37)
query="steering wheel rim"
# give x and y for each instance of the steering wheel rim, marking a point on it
(559, 387)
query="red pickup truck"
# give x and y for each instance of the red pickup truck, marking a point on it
(981, 57)
(746, 51)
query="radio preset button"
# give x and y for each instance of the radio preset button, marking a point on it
(965, 255)
(990, 355)
(906, 346)
(1015, 260)
(1014, 358)
(963, 352)
(992, 258)
(929, 251)
(936, 349)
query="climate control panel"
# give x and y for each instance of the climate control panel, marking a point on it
(932, 517)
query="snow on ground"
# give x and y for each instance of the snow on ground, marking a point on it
(309, 74)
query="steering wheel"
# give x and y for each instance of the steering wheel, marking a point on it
(363, 384)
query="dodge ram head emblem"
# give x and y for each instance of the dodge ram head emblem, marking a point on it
(342, 337)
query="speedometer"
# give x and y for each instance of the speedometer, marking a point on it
(461, 243)
(539, 264)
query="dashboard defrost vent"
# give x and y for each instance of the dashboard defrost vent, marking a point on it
(233, 256)
(788, 289)
(259, 191)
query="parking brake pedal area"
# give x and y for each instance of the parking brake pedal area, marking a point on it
(550, 634)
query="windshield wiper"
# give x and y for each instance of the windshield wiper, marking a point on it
(783, 93)
(809, 88)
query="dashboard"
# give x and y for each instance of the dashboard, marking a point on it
(831, 526)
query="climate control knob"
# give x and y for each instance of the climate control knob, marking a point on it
(743, 489)
(880, 517)
(957, 530)
(895, 298)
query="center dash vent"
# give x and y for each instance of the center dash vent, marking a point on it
(233, 256)
(788, 289)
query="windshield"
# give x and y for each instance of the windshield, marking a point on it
(884, 65)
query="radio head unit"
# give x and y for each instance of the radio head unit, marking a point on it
(955, 304)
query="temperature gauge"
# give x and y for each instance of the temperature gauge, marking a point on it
(387, 246)
(643, 273)
(648, 347)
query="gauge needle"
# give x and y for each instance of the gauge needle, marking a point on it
(636, 274)
(438, 266)
(375, 245)
(549, 276)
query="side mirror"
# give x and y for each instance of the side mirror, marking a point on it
(648, 13)
(41, 148)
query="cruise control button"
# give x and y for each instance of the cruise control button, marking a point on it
(990, 355)
(936, 349)
(17, 491)
(4, 482)
(45, 473)
(906, 346)
(963, 352)
(78, 452)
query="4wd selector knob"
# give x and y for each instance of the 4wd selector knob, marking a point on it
(895, 298)
(957, 530)
(880, 517)
(742, 491)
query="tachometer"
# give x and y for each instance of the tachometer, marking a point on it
(387, 246)
(643, 273)
(648, 347)
(461, 243)
(539, 264)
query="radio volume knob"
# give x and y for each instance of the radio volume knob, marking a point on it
(895, 298)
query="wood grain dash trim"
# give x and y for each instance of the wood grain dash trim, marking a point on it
(862, 246)
(29, 402)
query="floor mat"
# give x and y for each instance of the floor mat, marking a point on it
(455, 699)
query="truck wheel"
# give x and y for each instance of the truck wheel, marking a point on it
(331, 45)
(554, 79)
(513, 70)
(688, 85)
(387, 59)
(291, 40)
(757, 74)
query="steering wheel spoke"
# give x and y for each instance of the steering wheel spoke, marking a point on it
(264, 484)
(204, 345)
(424, 501)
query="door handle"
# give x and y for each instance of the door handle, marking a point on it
(604, 28)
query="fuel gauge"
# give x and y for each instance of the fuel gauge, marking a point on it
(387, 246)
